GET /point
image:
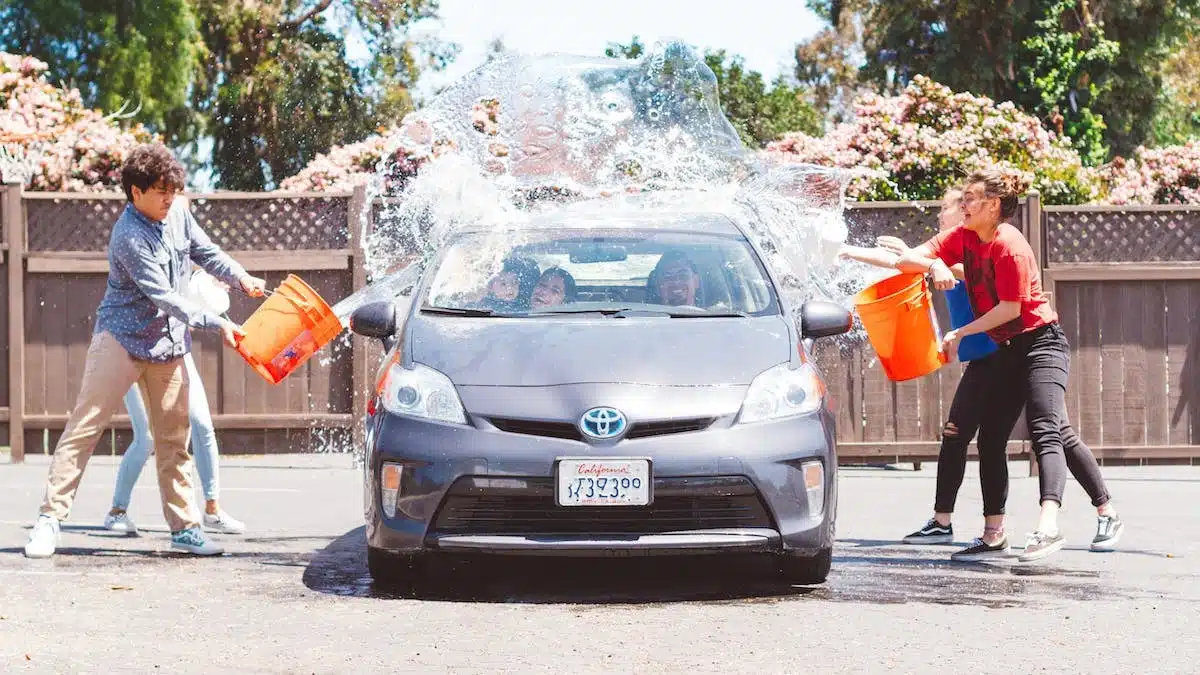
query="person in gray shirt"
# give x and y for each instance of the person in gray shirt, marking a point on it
(143, 331)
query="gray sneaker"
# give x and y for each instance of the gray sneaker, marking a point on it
(120, 522)
(1108, 533)
(192, 540)
(1039, 545)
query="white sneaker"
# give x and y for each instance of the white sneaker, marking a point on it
(120, 522)
(44, 538)
(223, 522)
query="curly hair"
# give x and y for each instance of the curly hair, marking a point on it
(1008, 186)
(148, 165)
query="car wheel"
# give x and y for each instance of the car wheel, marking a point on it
(805, 570)
(394, 569)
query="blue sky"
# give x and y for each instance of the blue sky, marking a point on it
(765, 32)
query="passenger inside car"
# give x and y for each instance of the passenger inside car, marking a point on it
(512, 288)
(555, 287)
(674, 281)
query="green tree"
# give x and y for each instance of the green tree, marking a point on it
(760, 113)
(136, 56)
(277, 87)
(827, 65)
(1178, 119)
(269, 82)
(1093, 69)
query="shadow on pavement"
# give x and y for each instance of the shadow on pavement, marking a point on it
(888, 574)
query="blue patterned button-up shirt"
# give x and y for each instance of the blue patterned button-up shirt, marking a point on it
(150, 263)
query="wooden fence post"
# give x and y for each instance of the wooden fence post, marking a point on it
(1035, 227)
(14, 237)
(358, 214)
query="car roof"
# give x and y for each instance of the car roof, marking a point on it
(689, 211)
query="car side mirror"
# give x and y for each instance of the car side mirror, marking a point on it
(820, 319)
(375, 320)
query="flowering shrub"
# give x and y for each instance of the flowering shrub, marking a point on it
(80, 149)
(914, 145)
(910, 146)
(1169, 175)
(347, 166)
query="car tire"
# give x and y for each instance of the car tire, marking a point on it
(394, 570)
(805, 570)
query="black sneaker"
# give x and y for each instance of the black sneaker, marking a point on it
(979, 550)
(932, 533)
(1039, 545)
(1108, 533)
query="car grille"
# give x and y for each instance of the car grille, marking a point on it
(679, 504)
(571, 432)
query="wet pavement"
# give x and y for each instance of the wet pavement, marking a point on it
(294, 595)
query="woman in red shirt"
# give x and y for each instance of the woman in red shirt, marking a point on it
(1004, 283)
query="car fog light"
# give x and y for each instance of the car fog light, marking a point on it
(389, 487)
(814, 486)
(407, 397)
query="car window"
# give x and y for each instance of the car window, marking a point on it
(573, 270)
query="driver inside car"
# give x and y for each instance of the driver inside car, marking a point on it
(674, 281)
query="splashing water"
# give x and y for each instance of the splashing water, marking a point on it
(528, 134)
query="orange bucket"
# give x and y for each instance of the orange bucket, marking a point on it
(293, 324)
(897, 313)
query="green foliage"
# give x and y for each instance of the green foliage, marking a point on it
(1178, 118)
(760, 113)
(278, 88)
(1092, 69)
(1054, 78)
(269, 82)
(139, 56)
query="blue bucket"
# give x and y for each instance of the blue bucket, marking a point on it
(971, 347)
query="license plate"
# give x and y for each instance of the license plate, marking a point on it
(603, 482)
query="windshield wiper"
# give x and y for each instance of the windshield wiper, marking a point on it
(708, 315)
(607, 311)
(462, 311)
(623, 312)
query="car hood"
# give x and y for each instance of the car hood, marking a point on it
(547, 351)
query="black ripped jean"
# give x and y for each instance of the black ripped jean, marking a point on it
(1032, 373)
(1029, 372)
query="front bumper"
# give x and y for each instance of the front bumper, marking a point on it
(479, 489)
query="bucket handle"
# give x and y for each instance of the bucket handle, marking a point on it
(306, 307)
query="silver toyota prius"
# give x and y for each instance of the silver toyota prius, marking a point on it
(605, 383)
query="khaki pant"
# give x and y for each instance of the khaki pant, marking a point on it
(107, 375)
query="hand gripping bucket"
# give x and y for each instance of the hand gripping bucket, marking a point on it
(292, 325)
(897, 313)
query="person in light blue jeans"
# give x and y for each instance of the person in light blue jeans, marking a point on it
(205, 290)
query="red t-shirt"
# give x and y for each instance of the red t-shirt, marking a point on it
(1001, 270)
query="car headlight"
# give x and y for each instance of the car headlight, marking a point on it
(422, 392)
(782, 391)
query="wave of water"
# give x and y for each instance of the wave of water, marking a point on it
(524, 134)
(529, 134)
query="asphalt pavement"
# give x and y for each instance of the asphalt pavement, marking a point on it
(293, 594)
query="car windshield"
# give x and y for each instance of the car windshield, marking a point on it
(620, 272)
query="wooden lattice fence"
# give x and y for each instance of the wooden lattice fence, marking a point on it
(1126, 283)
